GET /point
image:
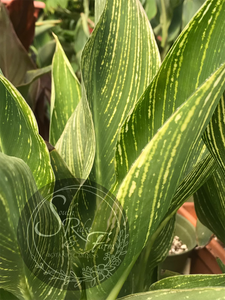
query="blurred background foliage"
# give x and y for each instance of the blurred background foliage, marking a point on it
(28, 45)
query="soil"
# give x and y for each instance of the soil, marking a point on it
(178, 246)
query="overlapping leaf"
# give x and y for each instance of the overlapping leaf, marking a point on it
(190, 282)
(65, 95)
(19, 134)
(118, 62)
(17, 186)
(147, 189)
(14, 60)
(210, 204)
(178, 77)
(214, 136)
(154, 252)
(200, 294)
(77, 142)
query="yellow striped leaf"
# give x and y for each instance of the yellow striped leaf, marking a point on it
(214, 136)
(198, 294)
(118, 63)
(76, 145)
(190, 282)
(196, 54)
(66, 93)
(210, 204)
(19, 134)
(155, 251)
(151, 182)
(23, 280)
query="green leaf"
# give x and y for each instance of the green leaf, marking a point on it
(31, 75)
(118, 63)
(99, 7)
(189, 282)
(155, 251)
(65, 95)
(200, 294)
(150, 8)
(210, 204)
(221, 264)
(20, 275)
(200, 172)
(189, 9)
(14, 59)
(4, 295)
(43, 26)
(215, 133)
(203, 234)
(19, 129)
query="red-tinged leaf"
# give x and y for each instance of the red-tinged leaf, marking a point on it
(21, 13)
(14, 60)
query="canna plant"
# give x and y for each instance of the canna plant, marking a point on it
(90, 215)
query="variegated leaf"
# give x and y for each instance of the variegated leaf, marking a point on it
(118, 63)
(151, 182)
(19, 134)
(21, 265)
(190, 282)
(155, 251)
(214, 136)
(179, 76)
(210, 204)
(65, 94)
(77, 142)
(200, 294)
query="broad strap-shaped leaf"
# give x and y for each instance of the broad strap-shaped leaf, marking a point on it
(210, 204)
(214, 136)
(118, 62)
(19, 134)
(154, 176)
(150, 184)
(200, 294)
(21, 265)
(65, 95)
(175, 82)
(190, 282)
(14, 59)
(77, 143)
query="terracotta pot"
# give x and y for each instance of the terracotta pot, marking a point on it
(203, 261)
